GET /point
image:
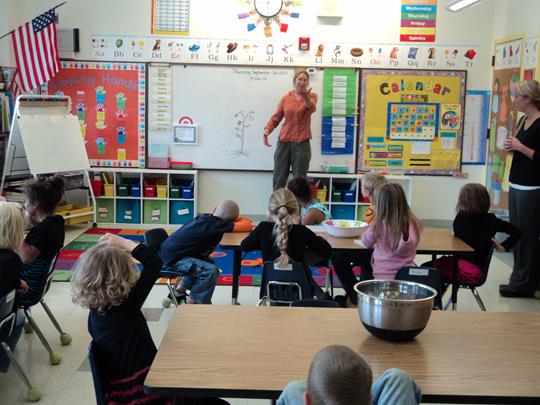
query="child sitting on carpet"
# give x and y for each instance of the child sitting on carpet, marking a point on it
(283, 239)
(46, 237)
(187, 252)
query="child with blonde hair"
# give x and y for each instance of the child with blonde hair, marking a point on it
(106, 281)
(344, 261)
(340, 376)
(11, 236)
(394, 235)
(282, 239)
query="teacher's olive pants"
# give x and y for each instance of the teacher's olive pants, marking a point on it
(290, 154)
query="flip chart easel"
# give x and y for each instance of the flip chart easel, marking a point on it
(44, 138)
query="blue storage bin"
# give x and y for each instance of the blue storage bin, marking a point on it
(181, 212)
(135, 190)
(128, 211)
(187, 192)
(348, 196)
(343, 211)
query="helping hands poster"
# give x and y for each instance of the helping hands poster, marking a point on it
(411, 121)
(109, 100)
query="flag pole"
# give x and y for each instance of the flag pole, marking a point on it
(53, 8)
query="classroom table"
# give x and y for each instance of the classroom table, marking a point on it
(253, 352)
(434, 241)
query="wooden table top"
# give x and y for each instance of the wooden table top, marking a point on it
(433, 240)
(253, 352)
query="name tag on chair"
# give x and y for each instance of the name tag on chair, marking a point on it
(418, 272)
(286, 267)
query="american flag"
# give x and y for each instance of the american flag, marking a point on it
(36, 51)
(14, 86)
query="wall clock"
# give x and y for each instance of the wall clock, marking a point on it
(270, 12)
(268, 8)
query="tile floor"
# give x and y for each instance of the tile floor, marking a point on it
(71, 381)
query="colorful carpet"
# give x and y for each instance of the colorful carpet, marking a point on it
(251, 262)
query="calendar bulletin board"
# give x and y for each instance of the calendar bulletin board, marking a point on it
(411, 121)
(109, 101)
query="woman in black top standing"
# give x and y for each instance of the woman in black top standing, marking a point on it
(524, 194)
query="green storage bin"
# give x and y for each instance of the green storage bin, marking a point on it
(337, 196)
(155, 212)
(105, 210)
(174, 192)
(122, 190)
(361, 211)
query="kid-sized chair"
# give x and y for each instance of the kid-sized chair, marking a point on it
(65, 338)
(153, 239)
(8, 315)
(473, 286)
(283, 286)
(424, 275)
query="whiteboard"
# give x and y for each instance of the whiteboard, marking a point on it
(53, 143)
(231, 106)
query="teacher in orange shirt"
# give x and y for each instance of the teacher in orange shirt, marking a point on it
(293, 148)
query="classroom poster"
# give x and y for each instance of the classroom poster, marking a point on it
(530, 58)
(109, 100)
(339, 111)
(503, 120)
(475, 127)
(411, 121)
(418, 20)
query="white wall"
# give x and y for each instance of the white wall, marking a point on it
(363, 21)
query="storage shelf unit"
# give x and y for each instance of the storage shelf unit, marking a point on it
(342, 196)
(144, 196)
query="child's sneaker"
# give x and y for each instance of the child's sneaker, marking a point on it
(180, 297)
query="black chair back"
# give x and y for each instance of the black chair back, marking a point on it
(285, 285)
(7, 313)
(424, 275)
(98, 374)
(315, 303)
(43, 287)
(153, 238)
(485, 269)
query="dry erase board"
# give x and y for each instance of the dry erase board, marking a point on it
(231, 106)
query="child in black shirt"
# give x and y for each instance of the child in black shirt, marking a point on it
(46, 237)
(477, 227)
(283, 239)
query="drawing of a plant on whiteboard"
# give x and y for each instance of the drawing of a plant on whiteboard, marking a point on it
(243, 121)
(100, 143)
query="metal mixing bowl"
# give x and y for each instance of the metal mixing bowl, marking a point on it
(394, 309)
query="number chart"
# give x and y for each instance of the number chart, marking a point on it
(170, 17)
(412, 121)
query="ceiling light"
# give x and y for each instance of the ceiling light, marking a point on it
(457, 5)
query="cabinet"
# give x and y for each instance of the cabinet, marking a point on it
(144, 196)
(342, 196)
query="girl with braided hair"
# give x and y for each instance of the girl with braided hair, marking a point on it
(283, 239)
